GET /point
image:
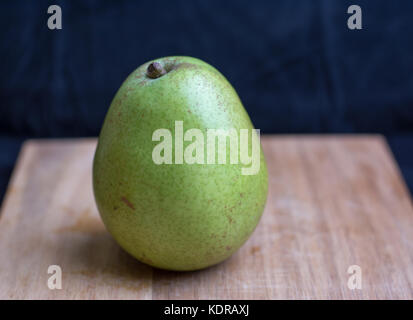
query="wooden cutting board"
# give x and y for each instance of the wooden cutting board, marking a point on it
(334, 202)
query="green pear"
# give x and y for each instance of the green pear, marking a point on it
(197, 210)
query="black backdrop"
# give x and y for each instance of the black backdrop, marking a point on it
(295, 64)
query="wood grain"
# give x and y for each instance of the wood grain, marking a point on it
(334, 201)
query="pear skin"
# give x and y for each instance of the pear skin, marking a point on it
(180, 216)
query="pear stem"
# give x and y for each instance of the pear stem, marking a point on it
(155, 70)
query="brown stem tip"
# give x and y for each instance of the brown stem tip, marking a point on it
(155, 70)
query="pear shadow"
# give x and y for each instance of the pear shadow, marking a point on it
(164, 277)
(98, 259)
(94, 256)
(91, 254)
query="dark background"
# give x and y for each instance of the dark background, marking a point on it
(295, 64)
